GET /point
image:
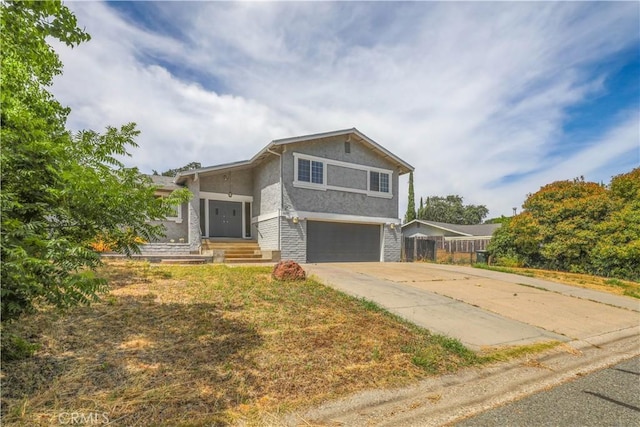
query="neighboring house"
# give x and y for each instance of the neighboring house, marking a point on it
(423, 228)
(446, 238)
(317, 198)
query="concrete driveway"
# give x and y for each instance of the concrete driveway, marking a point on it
(484, 308)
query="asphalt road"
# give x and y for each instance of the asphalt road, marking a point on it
(610, 397)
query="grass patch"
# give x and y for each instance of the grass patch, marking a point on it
(370, 305)
(212, 345)
(628, 288)
(613, 286)
(503, 354)
(512, 270)
(15, 347)
(441, 354)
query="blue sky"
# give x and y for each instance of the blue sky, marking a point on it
(490, 101)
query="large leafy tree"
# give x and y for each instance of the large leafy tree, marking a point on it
(451, 209)
(566, 213)
(578, 226)
(60, 191)
(617, 250)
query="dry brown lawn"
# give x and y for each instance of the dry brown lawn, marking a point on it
(211, 345)
(604, 284)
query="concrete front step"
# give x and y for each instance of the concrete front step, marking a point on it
(230, 245)
(236, 250)
(235, 256)
(246, 260)
(242, 251)
(251, 250)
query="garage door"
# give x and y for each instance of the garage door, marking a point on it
(342, 242)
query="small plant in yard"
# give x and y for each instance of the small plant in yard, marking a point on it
(15, 347)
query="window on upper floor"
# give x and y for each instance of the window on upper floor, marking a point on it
(322, 174)
(378, 182)
(310, 171)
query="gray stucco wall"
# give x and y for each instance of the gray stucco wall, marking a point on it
(266, 187)
(392, 244)
(174, 230)
(347, 177)
(239, 182)
(266, 232)
(332, 201)
(294, 240)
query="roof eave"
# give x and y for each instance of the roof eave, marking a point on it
(430, 224)
(181, 176)
(403, 167)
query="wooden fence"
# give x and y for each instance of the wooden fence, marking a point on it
(452, 250)
(416, 249)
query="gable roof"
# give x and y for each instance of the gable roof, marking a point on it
(403, 167)
(463, 230)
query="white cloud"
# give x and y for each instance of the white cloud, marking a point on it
(466, 92)
(622, 141)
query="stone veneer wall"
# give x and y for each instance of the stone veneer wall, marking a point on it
(165, 249)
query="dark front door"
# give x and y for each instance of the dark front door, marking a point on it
(225, 219)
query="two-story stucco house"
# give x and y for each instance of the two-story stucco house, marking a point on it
(316, 198)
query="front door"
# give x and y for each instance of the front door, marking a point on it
(225, 219)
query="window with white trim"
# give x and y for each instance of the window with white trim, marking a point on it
(177, 215)
(378, 182)
(310, 171)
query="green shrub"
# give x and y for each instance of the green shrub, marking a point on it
(14, 347)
